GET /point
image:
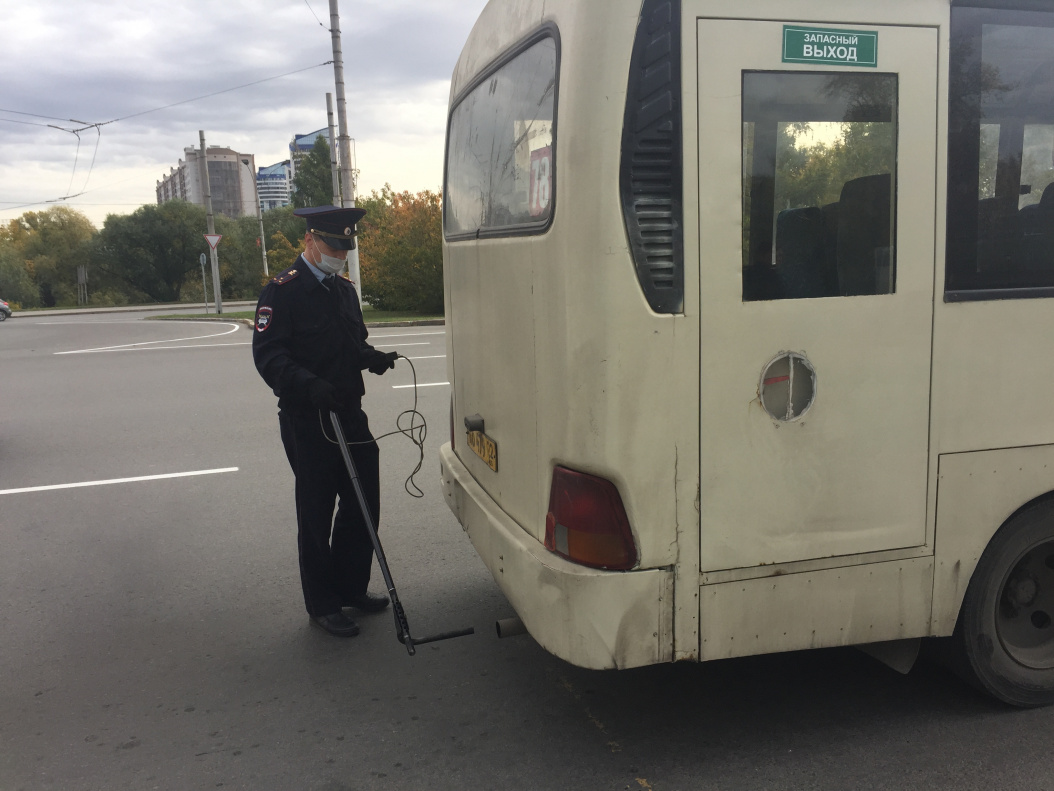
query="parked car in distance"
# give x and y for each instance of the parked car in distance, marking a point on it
(5, 310)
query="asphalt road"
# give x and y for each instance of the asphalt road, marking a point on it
(152, 632)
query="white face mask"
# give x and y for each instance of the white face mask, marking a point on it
(329, 264)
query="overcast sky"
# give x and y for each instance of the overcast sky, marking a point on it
(98, 60)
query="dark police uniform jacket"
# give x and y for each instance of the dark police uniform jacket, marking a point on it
(304, 331)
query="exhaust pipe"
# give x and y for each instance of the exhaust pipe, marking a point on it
(509, 627)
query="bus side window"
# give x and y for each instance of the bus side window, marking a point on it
(819, 158)
(1001, 154)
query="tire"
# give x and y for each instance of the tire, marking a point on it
(2, 315)
(1005, 633)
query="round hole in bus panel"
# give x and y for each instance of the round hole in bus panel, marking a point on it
(788, 387)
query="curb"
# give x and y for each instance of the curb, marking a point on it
(122, 309)
(212, 317)
(371, 324)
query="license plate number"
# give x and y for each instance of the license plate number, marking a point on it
(484, 447)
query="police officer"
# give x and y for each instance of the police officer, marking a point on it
(310, 346)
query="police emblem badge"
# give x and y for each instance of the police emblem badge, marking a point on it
(263, 319)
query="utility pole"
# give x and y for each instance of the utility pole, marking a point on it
(211, 222)
(82, 284)
(259, 216)
(346, 177)
(333, 150)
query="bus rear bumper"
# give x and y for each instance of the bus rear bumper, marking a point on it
(589, 617)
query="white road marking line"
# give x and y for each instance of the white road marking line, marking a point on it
(61, 323)
(160, 348)
(430, 357)
(233, 328)
(117, 480)
(404, 387)
(400, 345)
(405, 334)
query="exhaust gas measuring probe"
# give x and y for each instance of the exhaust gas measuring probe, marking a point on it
(402, 626)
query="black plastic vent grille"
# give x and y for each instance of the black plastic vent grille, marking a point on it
(650, 180)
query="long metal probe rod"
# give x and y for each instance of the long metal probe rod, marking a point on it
(353, 473)
(402, 626)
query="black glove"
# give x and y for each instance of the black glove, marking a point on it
(382, 362)
(323, 395)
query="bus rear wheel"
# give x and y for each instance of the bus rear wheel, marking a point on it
(1005, 634)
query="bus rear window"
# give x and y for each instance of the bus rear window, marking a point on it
(500, 149)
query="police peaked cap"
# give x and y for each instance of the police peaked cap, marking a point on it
(336, 226)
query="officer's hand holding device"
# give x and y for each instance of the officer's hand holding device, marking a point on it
(383, 362)
(323, 395)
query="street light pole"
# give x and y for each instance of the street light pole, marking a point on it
(211, 223)
(259, 216)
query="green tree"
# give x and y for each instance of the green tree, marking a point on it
(281, 220)
(154, 250)
(241, 264)
(50, 245)
(16, 283)
(313, 182)
(401, 253)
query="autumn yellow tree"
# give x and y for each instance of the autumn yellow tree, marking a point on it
(43, 250)
(281, 254)
(401, 253)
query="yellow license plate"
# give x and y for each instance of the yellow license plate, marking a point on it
(484, 447)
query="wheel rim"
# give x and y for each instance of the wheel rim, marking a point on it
(1024, 615)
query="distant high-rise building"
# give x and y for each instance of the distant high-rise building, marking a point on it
(275, 185)
(303, 144)
(230, 181)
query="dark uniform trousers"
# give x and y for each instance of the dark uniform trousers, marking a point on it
(336, 555)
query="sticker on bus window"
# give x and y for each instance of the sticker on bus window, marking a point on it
(541, 181)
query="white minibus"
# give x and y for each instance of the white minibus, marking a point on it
(750, 315)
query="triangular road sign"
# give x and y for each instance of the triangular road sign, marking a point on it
(213, 239)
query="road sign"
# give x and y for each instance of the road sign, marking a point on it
(213, 239)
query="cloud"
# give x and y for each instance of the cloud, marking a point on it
(98, 60)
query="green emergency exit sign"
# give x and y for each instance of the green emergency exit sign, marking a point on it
(830, 47)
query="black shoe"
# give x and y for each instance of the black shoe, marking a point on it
(336, 623)
(368, 602)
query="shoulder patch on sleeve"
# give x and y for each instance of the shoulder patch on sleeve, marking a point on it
(263, 318)
(285, 277)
